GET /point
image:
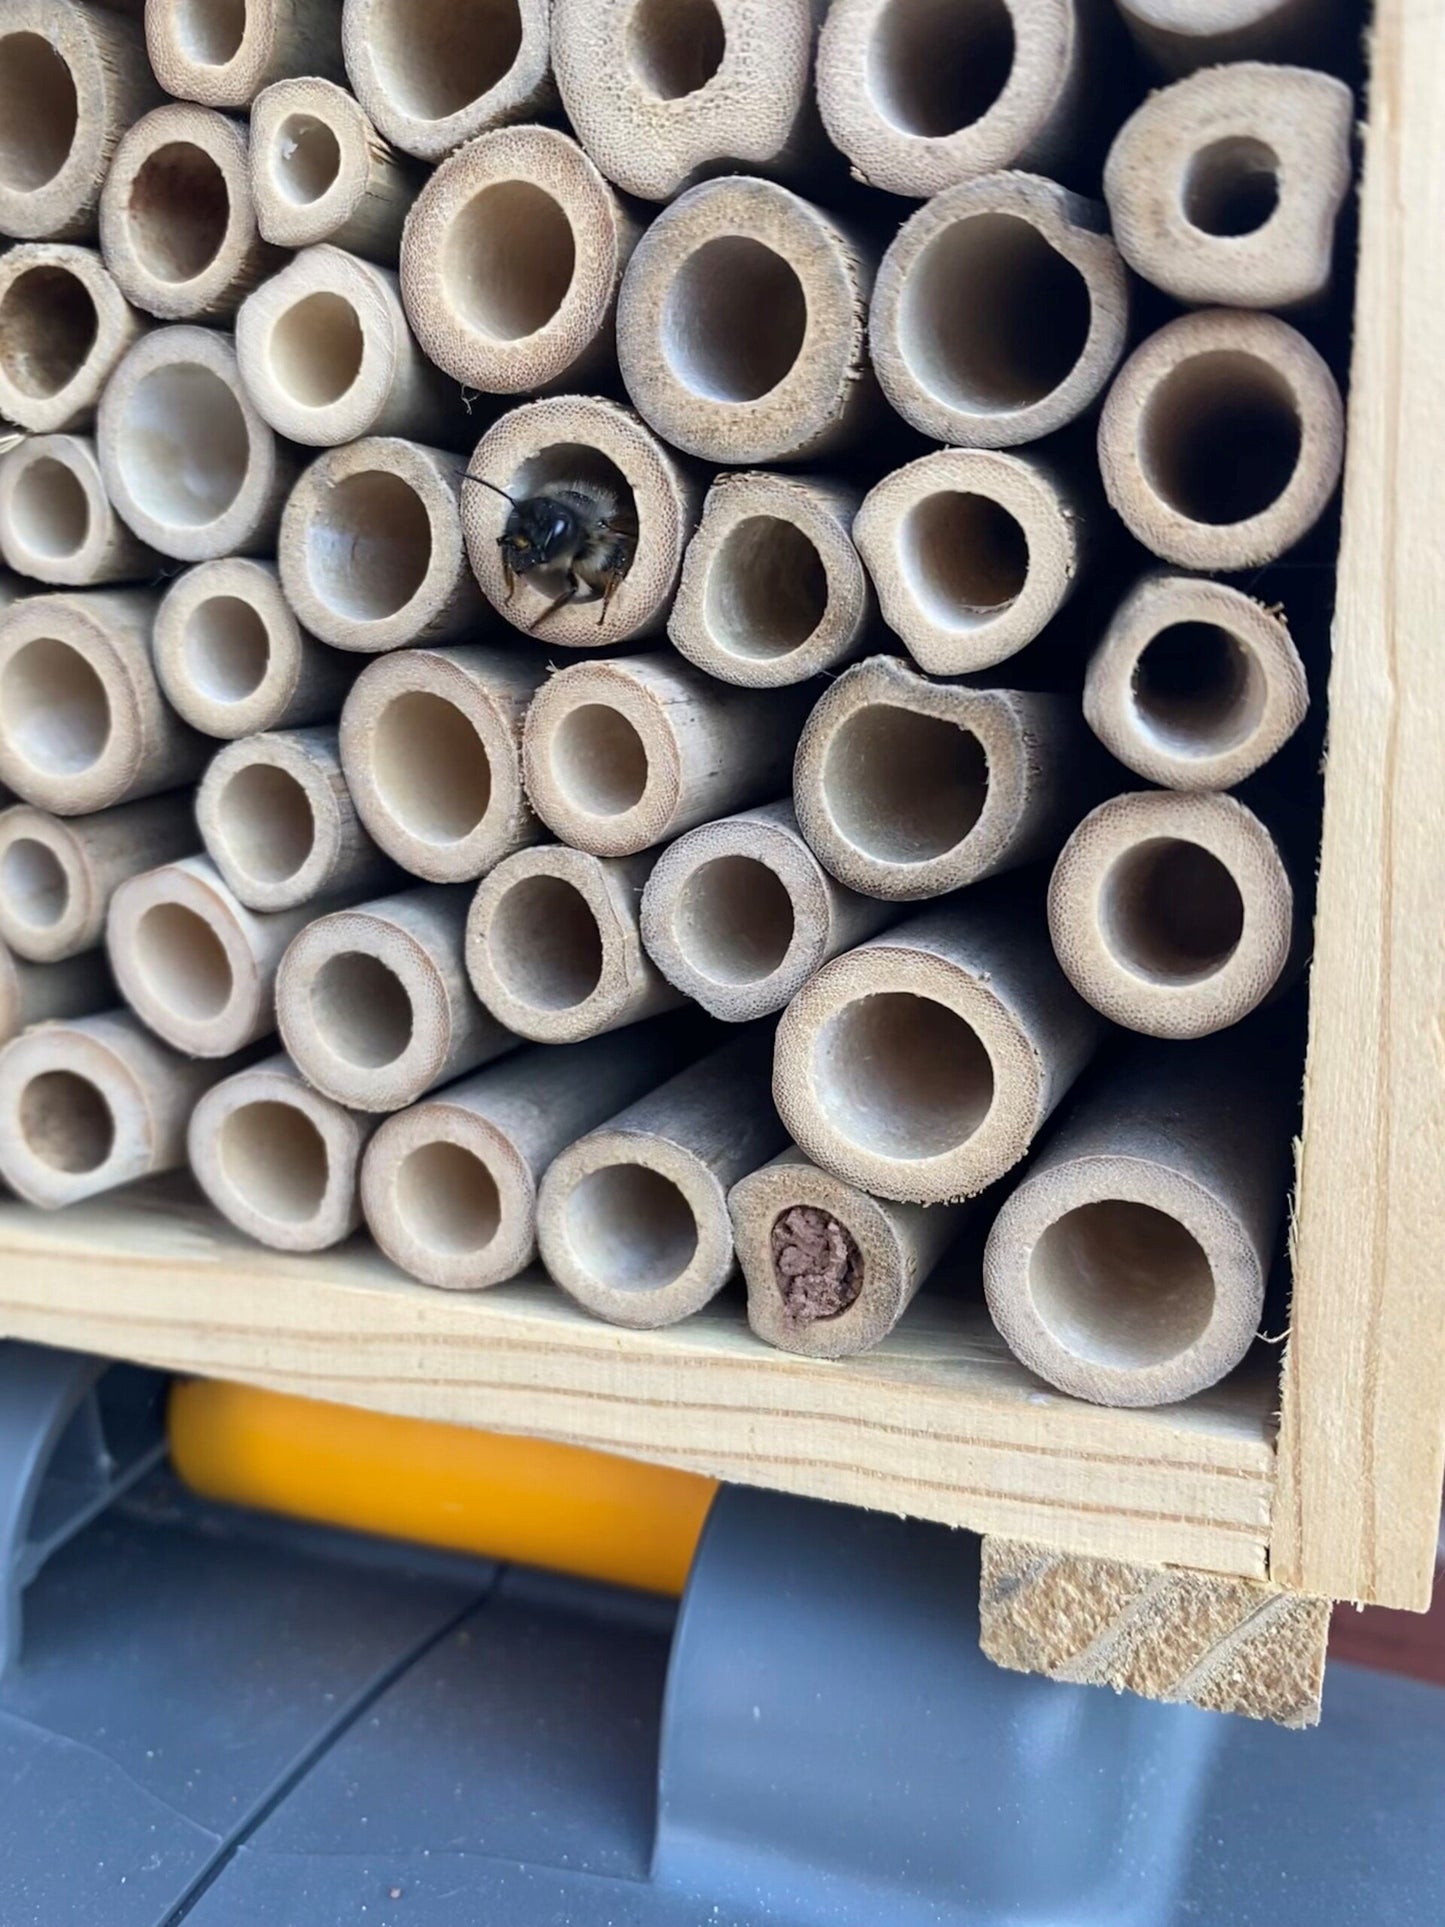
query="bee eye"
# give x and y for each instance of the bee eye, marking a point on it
(559, 529)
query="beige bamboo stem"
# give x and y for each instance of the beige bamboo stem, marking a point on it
(83, 723)
(57, 874)
(277, 1159)
(64, 325)
(450, 1186)
(972, 553)
(39, 993)
(321, 172)
(56, 521)
(187, 460)
(830, 1271)
(1129, 1266)
(632, 1219)
(223, 52)
(739, 914)
(1173, 914)
(431, 742)
(1180, 35)
(1225, 188)
(922, 1065)
(374, 1003)
(1195, 685)
(907, 788)
(553, 947)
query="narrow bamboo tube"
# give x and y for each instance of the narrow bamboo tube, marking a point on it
(1225, 188)
(624, 754)
(449, 1187)
(374, 1003)
(773, 590)
(1001, 311)
(434, 73)
(830, 1270)
(39, 993)
(1180, 35)
(907, 788)
(83, 723)
(739, 914)
(223, 52)
(277, 1159)
(187, 460)
(661, 91)
(1173, 914)
(921, 1066)
(1195, 685)
(582, 438)
(326, 356)
(72, 80)
(1222, 439)
(177, 223)
(553, 947)
(972, 553)
(741, 325)
(632, 1219)
(321, 172)
(279, 823)
(64, 325)
(56, 521)
(58, 874)
(1129, 1266)
(431, 743)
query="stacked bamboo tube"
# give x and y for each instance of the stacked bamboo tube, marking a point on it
(448, 804)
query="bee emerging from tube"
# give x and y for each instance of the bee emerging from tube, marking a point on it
(577, 530)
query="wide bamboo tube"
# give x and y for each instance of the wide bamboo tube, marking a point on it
(1173, 914)
(907, 788)
(922, 1065)
(56, 521)
(1180, 35)
(1225, 188)
(64, 325)
(58, 874)
(632, 1219)
(223, 52)
(1222, 439)
(374, 1003)
(39, 993)
(1195, 684)
(83, 723)
(739, 914)
(431, 743)
(321, 172)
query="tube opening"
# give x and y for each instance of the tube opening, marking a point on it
(267, 821)
(369, 545)
(210, 31)
(34, 884)
(1198, 690)
(902, 1076)
(507, 259)
(1220, 437)
(1171, 912)
(735, 320)
(430, 767)
(1121, 1284)
(48, 326)
(64, 1118)
(435, 57)
(817, 1265)
(1232, 187)
(631, 1228)
(964, 557)
(902, 787)
(447, 1199)
(183, 447)
(226, 648)
(316, 349)
(39, 112)
(361, 1010)
(178, 212)
(734, 922)
(49, 509)
(275, 1160)
(305, 158)
(674, 47)
(545, 945)
(54, 709)
(182, 962)
(937, 66)
(599, 761)
(767, 589)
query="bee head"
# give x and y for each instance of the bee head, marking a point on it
(538, 532)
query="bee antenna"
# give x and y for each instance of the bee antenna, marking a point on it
(470, 477)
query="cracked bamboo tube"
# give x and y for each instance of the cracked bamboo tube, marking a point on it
(64, 326)
(58, 874)
(221, 53)
(40, 993)
(321, 172)
(1180, 35)
(632, 1219)
(56, 521)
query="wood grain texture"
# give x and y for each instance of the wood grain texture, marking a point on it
(1363, 1436)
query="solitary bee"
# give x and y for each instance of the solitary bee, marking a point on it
(575, 529)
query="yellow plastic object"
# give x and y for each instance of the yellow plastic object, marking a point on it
(528, 1500)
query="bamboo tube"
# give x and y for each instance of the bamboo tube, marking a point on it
(1222, 439)
(553, 947)
(56, 521)
(39, 993)
(921, 1066)
(187, 460)
(374, 1003)
(83, 723)
(972, 554)
(434, 73)
(223, 52)
(64, 325)
(1180, 35)
(72, 79)
(321, 172)
(370, 551)
(740, 913)
(326, 356)
(632, 1219)
(232, 658)
(1173, 914)
(1129, 1266)
(279, 823)
(449, 1187)
(1001, 311)
(741, 325)
(277, 1159)
(624, 754)
(830, 1271)
(906, 788)
(177, 223)
(57, 874)
(662, 91)
(431, 743)
(582, 438)
(773, 590)
(1195, 685)
(1225, 188)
